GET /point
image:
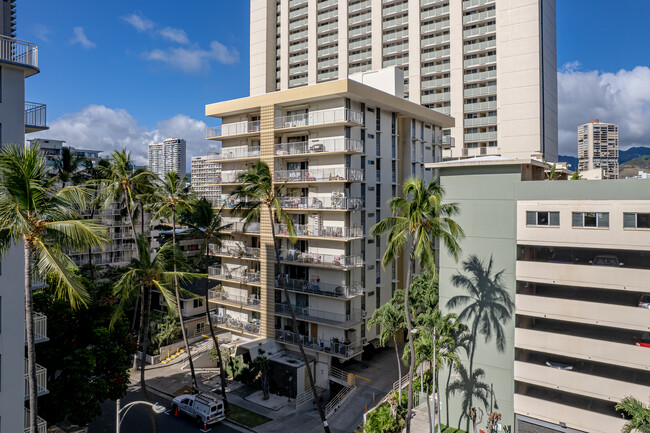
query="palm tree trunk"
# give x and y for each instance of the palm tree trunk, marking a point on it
(447, 396)
(399, 371)
(90, 253)
(31, 349)
(431, 421)
(145, 341)
(294, 322)
(141, 328)
(127, 197)
(222, 367)
(471, 362)
(409, 327)
(178, 304)
(135, 313)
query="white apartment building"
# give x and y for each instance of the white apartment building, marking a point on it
(342, 150)
(598, 148)
(18, 60)
(204, 176)
(491, 63)
(168, 156)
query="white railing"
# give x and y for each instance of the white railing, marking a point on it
(35, 114)
(235, 153)
(481, 136)
(334, 404)
(332, 346)
(308, 395)
(335, 261)
(339, 144)
(304, 230)
(40, 327)
(41, 380)
(229, 176)
(198, 349)
(324, 289)
(320, 118)
(245, 301)
(234, 251)
(18, 51)
(241, 227)
(332, 202)
(41, 425)
(241, 275)
(229, 202)
(481, 151)
(234, 324)
(320, 175)
(313, 314)
(341, 375)
(236, 128)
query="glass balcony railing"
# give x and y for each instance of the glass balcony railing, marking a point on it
(241, 275)
(234, 251)
(236, 128)
(323, 145)
(318, 288)
(234, 324)
(334, 261)
(304, 230)
(235, 153)
(340, 348)
(228, 298)
(332, 202)
(315, 315)
(319, 118)
(229, 176)
(320, 175)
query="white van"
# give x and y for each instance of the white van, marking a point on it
(205, 408)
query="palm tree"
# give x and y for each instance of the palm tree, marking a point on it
(145, 274)
(461, 340)
(257, 193)
(68, 166)
(471, 387)
(419, 219)
(34, 211)
(172, 196)
(391, 320)
(208, 224)
(639, 414)
(92, 175)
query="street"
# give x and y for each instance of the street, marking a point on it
(138, 419)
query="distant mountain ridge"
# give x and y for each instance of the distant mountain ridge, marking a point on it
(623, 156)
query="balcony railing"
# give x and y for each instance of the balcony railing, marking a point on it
(319, 118)
(481, 151)
(324, 289)
(335, 261)
(40, 328)
(320, 175)
(41, 425)
(233, 129)
(333, 203)
(235, 153)
(228, 203)
(17, 51)
(233, 324)
(241, 275)
(341, 349)
(229, 176)
(314, 315)
(35, 116)
(241, 227)
(304, 230)
(234, 251)
(244, 301)
(41, 380)
(322, 145)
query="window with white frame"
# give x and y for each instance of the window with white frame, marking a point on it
(590, 219)
(200, 327)
(534, 218)
(636, 220)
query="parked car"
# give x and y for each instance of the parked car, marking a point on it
(606, 260)
(205, 408)
(643, 340)
(558, 365)
(644, 301)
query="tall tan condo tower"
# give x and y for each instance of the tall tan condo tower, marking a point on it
(491, 64)
(598, 148)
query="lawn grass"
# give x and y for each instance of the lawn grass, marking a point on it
(244, 416)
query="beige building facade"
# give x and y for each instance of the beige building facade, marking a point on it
(492, 65)
(598, 148)
(341, 149)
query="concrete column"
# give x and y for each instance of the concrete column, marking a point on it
(377, 44)
(284, 45)
(312, 42)
(343, 39)
(414, 52)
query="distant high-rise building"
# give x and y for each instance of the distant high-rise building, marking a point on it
(492, 65)
(205, 172)
(598, 148)
(168, 156)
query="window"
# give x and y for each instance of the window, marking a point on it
(200, 327)
(198, 303)
(542, 218)
(636, 220)
(591, 219)
(378, 120)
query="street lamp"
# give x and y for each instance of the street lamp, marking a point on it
(158, 409)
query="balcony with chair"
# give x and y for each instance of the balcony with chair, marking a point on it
(315, 287)
(242, 227)
(322, 232)
(335, 347)
(240, 275)
(319, 175)
(327, 117)
(228, 177)
(35, 117)
(320, 260)
(308, 314)
(224, 298)
(335, 201)
(319, 146)
(20, 53)
(252, 327)
(236, 251)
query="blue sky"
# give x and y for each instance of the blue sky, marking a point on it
(123, 73)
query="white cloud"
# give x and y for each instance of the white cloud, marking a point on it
(106, 129)
(174, 35)
(622, 97)
(194, 59)
(139, 22)
(42, 32)
(80, 38)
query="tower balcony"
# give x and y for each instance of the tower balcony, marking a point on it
(35, 117)
(19, 53)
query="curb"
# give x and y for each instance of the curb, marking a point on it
(235, 423)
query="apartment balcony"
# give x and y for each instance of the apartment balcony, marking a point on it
(470, 152)
(438, 82)
(316, 287)
(323, 232)
(223, 298)
(481, 16)
(448, 142)
(320, 260)
(480, 91)
(229, 203)
(230, 130)
(480, 76)
(388, 37)
(228, 177)
(234, 251)
(41, 380)
(326, 4)
(436, 40)
(480, 61)
(307, 314)
(35, 117)
(358, 6)
(334, 346)
(41, 425)
(247, 327)
(233, 154)
(344, 116)
(468, 4)
(436, 97)
(435, 12)
(339, 145)
(19, 53)
(40, 328)
(480, 106)
(242, 276)
(319, 175)
(332, 202)
(433, 69)
(243, 228)
(480, 46)
(479, 31)
(434, 26)
(480, 121)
